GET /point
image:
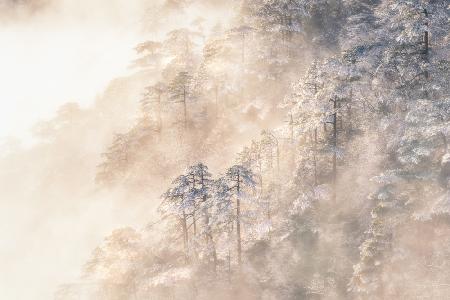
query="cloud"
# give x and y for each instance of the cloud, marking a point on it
(68, 51)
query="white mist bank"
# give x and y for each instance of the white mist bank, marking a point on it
(66, 51)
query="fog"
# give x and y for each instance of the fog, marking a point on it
(50, 54)
(207, 149)
(53, 214)
(61, 51)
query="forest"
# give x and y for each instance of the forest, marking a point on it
(267, 149)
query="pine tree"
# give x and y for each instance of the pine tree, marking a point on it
(153, 98)
(177, 203)
(239, 179)
(180, 91)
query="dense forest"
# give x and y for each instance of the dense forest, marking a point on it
(287, 149)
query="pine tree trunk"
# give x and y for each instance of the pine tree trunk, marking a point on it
(426, 46)
(185, 108)
(425, 36)
(194, 221)
(278, 160)
(214, 252)
(315, 156)
(335, 143)
(229, 265)
(238, 221)
(185, 235)
(216, 91)
(230, 229)
(243, 49)
(291, 129)
(349, 122)
(159, 113)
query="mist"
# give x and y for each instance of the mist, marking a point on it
(59, 51)
(206, 149)
(52, 53)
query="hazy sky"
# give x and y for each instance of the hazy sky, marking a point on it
(67, 51)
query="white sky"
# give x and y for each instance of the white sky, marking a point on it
(67, 52)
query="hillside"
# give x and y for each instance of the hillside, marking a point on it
(281, 149)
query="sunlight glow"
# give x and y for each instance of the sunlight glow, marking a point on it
(45, 63)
